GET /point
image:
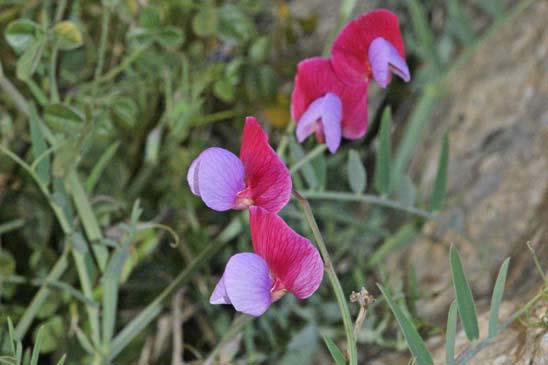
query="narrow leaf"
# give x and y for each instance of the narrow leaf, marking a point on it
(465, 300)
(392, 243)
(498, 291)
(356, 172)
(414, 341)
(382, 161)
(451, 334)
(37, 346)
(39, 146)
(335, 352)
(438, 194)
(100, 166)
(62, 360)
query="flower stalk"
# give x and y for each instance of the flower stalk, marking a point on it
(352, 351)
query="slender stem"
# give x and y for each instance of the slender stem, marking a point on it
(105, 23)
(14, 94)
(60, 10)
(54, 92)
(333, 279)
(318, 150)
(122, 66)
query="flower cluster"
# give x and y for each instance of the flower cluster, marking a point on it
(329, 100)
(330, 94)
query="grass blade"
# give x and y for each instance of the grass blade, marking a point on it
(498, 291)
(440, 184)
(37, 346)
(465, 300)
(414, 341)
(39, 146)
(11, 225)
(394, 242)
(451, 334)
(62, 360)
(334, 350)
(357, 176)
(100, 166)
(382, 161)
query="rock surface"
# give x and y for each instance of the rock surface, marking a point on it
(496, 115)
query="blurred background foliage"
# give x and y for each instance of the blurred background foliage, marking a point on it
(107, 102)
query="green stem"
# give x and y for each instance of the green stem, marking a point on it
(40, 297)
(60, 10)
(122, 66)
(14, 94)
(318, 150)
(105, 23)
(54, 92)
(333, 279)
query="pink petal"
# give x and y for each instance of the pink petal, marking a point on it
(384, 59)
(291, 258)
(216, 175)
(315, 78)
(266, 175)
(349, 53)
(247, 284)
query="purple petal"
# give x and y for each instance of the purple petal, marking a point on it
(384, 59)
(328, 111)
(192, 177)
(247, 283)
(307, 123)
(217, 175)
(219, 295)
(331, 119)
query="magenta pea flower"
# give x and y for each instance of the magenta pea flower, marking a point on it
(323, 105)
(283, 262)
(370, 46)
(258, 177)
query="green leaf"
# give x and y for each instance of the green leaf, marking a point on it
(382, 160)
(205, 21)
(53, 333)
(125, 112)
(20, 34)
(414, 340)
(68, 36)
(11, 225)
(39, 146)
(66, 157)
(100, 166)
(234, 25)
(465, 300)
(496, 298)
(408, 192)
(451, 334)
(11, 333)
(29, 60)
(224, 90)
(423, 31)
(334, 350)
(7, 263)
(37, 346)
(150, 17)
(153, 145)
(64, 118)
(62, 360)
(356, 172)
(170, 37)
(438, 194)
(260, 49)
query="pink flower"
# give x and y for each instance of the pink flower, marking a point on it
(283, 262)
(322, 104)
(370, 46)
(258, 177)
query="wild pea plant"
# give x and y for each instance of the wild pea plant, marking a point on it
(104, 108)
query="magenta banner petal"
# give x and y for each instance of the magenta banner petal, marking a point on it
(294, 262)
(331, 119)
(248, 283)
(307, 124)
(384, 59)
(349, 53)
(217, 175)
(315, 78)
(219, 295)
(267, 177)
